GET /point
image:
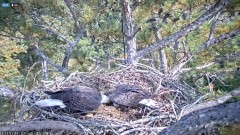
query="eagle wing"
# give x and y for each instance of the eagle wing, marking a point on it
(128, 95)
(85, 100)
(80, 98)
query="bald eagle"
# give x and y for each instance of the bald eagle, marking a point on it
(80, 98)
(131, 96)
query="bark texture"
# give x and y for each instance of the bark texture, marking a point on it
(41, 125)
(129, 31)
(206, 119)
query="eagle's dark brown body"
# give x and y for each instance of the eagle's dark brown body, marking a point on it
(128, 95)
(81, 98)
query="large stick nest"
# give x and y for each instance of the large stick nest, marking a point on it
(172, 95)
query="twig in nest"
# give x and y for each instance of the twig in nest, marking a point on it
(49, 83)
(25, 80)
(152, 111)
(69, 77)
(159, 85)
(173, 107)
(156, 129)
(152, 69)
(92, 123)
(121, 65)
(143, 120)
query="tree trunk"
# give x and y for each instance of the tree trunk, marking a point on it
(128, 31)
(210, 118)
(163, 67)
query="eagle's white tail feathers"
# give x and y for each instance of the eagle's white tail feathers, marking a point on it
(105, 99)
(149, 102)
(50, 102)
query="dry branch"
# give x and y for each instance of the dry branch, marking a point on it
(209, 118)
(213, 25)
(199, 67)
(49, 61)
(218, 39)
(41, 125)
(208, 104)
(143, 120)
(71, 47)
(80, 29)
(57, 34)
(204, 46)
(143, 129)
(73, 13)
(218, 7)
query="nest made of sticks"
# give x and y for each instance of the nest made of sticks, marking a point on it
(171, 96)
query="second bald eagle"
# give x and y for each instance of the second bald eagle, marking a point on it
(131, 96)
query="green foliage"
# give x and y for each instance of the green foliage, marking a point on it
(231, 130)
(9, 63)
(103, 38)
(80, 56)
(230, 83)
(5, 112)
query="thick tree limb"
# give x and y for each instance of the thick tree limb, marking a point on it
(41, 125)
(47, 28)
(204, 46)
(210, 118)
(71, 47)
(199, 67)
(210, 40)
(57, 33)
(218, 7)
(134, 34)
(213, 26)
(179, 67)
(78, 37)
(68, 52)
(208, 104)
(44, 57)
(219, 39)
(72, 44)
(73, 13)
